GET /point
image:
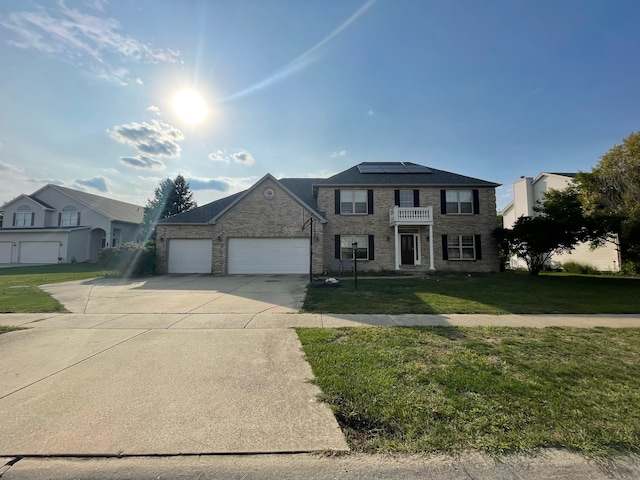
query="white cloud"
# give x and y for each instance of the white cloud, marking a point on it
(154, 109)
(87, 41)
(139, 81)
(341, 153)
(10, 169)
(370, 112)
(244, 158)
(142, 162)
(156, 138)
(219, 156)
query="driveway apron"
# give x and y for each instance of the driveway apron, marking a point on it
(106, 383)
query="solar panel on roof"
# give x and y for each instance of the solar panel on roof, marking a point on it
(393, 168)
(370, 169)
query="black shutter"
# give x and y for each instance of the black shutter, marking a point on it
(337, 247)
(396, 198)
(337, 197)
(371, 254)
(443, 202)
(476, 201)
(78, 223)
(478, 248)
(33, 218)
(416, 198)
(14, 219)
(445, 250)
(59, 219)
(370, 202)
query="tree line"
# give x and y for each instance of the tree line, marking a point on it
(600, 206)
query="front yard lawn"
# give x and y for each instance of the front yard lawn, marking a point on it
(496, 390)
(19, 292)
(495, 294)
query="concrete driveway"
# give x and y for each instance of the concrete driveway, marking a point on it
(109, 380)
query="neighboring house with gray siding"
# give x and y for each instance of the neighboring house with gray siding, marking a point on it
(59, 225)
(403, 216)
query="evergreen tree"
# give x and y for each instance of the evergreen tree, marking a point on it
(170, 198)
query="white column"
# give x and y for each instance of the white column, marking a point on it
(396, 243)
(431, 267)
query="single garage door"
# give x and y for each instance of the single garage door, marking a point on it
(268, 255)
(5, 252)
(39, 252)
(190, 256)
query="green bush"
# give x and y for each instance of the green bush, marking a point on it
(129, 259)
(575, 267)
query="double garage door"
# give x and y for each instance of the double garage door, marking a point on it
(245, 256)
(39, 252)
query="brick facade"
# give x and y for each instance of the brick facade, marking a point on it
(282, 215)
(377, 224)
(254, 216)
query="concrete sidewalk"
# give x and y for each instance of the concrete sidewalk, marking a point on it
(549, 465)
(252, 321)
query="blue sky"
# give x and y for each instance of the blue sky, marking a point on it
(490, 89)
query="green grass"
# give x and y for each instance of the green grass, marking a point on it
(19, 292)
(8, 328)
(495, 294)
(496, 390)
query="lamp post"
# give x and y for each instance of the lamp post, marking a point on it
(355, 263)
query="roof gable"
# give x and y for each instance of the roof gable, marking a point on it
(112, 209)
(29, 198)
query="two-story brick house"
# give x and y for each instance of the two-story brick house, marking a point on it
(402, 216)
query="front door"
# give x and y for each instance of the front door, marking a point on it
(407, 253)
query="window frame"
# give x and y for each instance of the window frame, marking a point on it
(23, 216)
(456, 247)
(458, 203)
(346, 242)
(353, 202)
(69, 216)
(408, 201)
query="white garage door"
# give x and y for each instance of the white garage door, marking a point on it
(5, 252)
(189, 256)
(268, 255)
(39, 252)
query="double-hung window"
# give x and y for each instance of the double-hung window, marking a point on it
(69, 216)
(461, 247)
(406, 198)
(346, 247)
(353, 202)
(23, 217)
(459, 201)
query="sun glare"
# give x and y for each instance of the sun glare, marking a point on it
(190, 106)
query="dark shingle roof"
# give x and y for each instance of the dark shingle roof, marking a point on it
(303, 189)
(431, 176)
(564, 174)
(114, 209)
(205, 213)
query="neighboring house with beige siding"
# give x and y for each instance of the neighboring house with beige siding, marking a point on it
(60, 225)
(403, 216)
(527, 192)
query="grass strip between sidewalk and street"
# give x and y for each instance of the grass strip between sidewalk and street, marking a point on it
(19, 292)
(495, 390)
(492, 294)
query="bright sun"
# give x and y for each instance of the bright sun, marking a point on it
(190, 106)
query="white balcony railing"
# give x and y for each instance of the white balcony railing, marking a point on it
(410, 215)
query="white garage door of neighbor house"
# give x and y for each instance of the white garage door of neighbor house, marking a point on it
(269, 255)
(5, 252)
(190, 256)
(39, 252)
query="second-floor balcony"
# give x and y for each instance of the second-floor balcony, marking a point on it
(410, 216)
